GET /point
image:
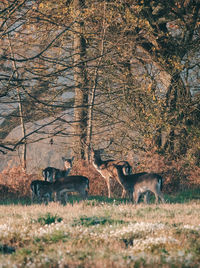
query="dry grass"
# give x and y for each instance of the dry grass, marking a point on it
(99, 234)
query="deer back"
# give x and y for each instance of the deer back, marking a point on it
(36, 185)
(148, 181)
(72, 182)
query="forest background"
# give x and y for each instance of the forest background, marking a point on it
(77, 74)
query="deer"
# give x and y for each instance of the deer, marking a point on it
(36, 186)
(140, 183)
(51, 174)
(108, 170)
(61, 187)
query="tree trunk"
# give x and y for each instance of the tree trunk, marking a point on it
(93, 89)
(173, 139)
(81, 82)
(21, 116)
(24, 151)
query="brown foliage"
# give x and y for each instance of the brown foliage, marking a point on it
(15, 183)
(178, 175)
(97, 183)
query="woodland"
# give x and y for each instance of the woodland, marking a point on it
(118, 75)
(126, 71)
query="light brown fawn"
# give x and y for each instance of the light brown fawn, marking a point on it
(108, 170)
(140, 183)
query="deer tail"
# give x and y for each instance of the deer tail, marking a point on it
(160, 182)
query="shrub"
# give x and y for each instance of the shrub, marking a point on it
(15, 183)
(178, 175)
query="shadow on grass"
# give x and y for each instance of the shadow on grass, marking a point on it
(179, 197)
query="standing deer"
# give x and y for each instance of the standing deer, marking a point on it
(108, 170)
(139, 183)
(52, 174)
(35, 186)
(64, 185)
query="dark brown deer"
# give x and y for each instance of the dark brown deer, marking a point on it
(108, 170)
(35, 186)
(140, 183)
(52, 174)
(61, 187)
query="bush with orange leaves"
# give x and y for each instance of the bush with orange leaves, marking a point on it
(178, 175)
(15, 183)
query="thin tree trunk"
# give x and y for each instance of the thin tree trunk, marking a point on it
(93, 91)
(23, 129)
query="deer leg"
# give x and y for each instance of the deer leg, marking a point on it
(86, 194)
(156, 198)
(130, 195)
(108, 185)
(49, 197)
(135, 197)
(57, 196)
(39, 197)
(83, 193)
(162, 198)
(160, 194)
(32, 197)
(64, 198)
(146, 198)
(46, 199)
(35, 194)
(123, 193)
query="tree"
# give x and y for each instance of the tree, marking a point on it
(155, 44)
(80, 80)
(37, 61)
(138, 69)
(173, 28)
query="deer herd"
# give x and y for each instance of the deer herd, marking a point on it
(58, 183)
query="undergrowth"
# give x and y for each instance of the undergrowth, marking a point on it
(178, 176)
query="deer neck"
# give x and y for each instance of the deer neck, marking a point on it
(67, 170)
(97, 162)
(121, 175)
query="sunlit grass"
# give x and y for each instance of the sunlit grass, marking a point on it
(98, 233)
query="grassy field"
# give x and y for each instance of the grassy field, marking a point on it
(102, 233)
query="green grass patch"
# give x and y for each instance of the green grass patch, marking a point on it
(48, 219)
(16, 201)
(90, 221)
(177, 197)
(184, 196)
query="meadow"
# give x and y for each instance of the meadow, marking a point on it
(102, 232)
